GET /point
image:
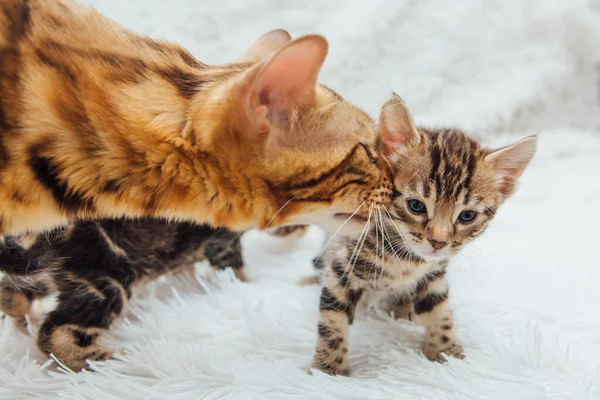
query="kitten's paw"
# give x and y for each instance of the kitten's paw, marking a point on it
(310, 280)
(73, 345)
(404, 312)
(435, 351)
(331, 369)
(241, 275)
(78, 360)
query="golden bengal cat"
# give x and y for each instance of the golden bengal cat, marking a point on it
(99, 122)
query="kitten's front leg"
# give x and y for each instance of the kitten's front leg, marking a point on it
(432, 309)
(85, 311)
(337, 306)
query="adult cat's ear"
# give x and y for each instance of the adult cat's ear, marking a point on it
(288, 80)
(396, 126)
(510, 162)
(265, 45)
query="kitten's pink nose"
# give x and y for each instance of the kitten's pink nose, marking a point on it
(436, 244)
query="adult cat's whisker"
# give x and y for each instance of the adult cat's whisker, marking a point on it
(376, 244)
(340, 228)
(358, 247)
(278, 211)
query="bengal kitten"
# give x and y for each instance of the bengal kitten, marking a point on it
(91, 268)
(99, 122)
(447, 189)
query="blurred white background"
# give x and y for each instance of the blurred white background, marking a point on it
(525, 295)
(485, 65)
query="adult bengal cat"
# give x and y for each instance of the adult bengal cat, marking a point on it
(99, 122)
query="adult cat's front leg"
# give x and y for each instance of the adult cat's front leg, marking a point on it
(432, 309)
(337, 307)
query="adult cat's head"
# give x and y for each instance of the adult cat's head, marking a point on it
(302, 153)
(447, 187)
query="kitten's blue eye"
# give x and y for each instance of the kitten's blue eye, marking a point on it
(467, 216)
(417, 206)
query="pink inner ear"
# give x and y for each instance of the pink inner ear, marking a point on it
(284, 86)
(265, 101)
(508, 179)
(396, 131)
(392, 143)
(290, 78)
(395, 125)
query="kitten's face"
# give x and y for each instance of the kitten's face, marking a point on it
(445, 194)
(447, 188)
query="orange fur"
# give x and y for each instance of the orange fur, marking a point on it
(96, 121)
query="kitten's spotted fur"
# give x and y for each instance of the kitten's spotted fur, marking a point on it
(92, 267)
(447, 188)
(99, 122)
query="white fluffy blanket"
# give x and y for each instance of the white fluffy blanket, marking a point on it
(525, 295)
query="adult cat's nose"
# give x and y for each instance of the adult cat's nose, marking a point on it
(437, 245)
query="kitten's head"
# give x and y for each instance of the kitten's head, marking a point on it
(305, 155)
(447, 187)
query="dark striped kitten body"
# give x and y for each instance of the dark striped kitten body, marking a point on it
(92, 267)
(447, 189)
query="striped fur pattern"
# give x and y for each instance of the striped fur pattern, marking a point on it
(99, 122)
(92, 267)
(447, 189)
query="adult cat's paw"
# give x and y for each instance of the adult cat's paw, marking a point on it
(434, 351)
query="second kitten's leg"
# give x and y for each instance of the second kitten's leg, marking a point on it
(223, 250)
(432, 309)
(337, 307)
(287, 231)
(85, 310)
(18, 292)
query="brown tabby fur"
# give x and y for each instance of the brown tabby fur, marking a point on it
(91, 268)
(447, 189)
(96, 121)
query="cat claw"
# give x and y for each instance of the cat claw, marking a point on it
(435, 353)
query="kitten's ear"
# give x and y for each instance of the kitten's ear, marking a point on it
(287, 81)
(265, 45)
(396, 126)
(510, 162)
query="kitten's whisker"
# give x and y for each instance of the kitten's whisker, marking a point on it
(408, 247)
(383, 239)
(387, 237)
